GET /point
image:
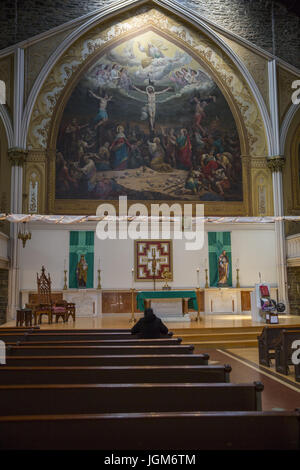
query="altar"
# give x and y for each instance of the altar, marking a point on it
(169, 305)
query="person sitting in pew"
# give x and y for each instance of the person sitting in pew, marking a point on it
(150, 326)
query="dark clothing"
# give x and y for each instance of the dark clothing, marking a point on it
(149, 327)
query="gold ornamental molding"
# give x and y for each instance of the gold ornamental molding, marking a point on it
(259, 163)
(17, 156)
(276, 163)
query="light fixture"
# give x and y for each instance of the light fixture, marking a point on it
(24, 234)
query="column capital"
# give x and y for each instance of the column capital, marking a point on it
(17, 156)
(275, 163)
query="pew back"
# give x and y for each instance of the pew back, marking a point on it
(163, 360)
(268, 340)
(96, 350)
(126, 398)
(113, 374)
(202, 431)
(283, 350)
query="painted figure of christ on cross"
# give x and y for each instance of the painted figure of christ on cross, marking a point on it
(150, 109)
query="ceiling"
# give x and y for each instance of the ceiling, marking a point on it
(291, 5)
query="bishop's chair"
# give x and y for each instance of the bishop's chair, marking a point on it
(45, 306)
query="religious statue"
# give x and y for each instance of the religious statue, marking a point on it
(223, 269)
(81, 272)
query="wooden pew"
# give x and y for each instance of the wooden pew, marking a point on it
(150, 360)
(96, 350)
(112, 342)
(283, 350)
(267, 342)
(125, 398)
(113, 374)
(32, 336)
(268, 430)
(82, 330)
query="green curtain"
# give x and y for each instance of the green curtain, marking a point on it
(81, 243)
(217, 242)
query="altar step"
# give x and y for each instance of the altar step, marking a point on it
(214, 338)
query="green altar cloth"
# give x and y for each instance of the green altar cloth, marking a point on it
(167, 294)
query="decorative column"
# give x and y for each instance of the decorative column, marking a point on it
(276, 164)
(17, 157)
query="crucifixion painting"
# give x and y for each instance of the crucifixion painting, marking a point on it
(148, 120)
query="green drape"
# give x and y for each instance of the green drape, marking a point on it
(217, 242)
(81, 243)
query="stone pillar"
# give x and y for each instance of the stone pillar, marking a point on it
(276, 165)
(17, 156)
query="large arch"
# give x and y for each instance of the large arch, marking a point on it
(192, 19)
(285, 127)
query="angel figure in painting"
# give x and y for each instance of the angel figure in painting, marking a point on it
(149, 110)
(223, 269)
(81, 272)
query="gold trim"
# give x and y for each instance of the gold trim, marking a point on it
(276, 163)
(17, 156)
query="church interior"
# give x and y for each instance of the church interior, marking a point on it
(150, 159)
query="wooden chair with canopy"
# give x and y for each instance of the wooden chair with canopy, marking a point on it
(45, 305)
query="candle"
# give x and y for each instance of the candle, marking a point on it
(132, 277)
(198, 277)
(65, 264)
(205, 263)
(99, 263)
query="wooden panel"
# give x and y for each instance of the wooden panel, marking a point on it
(55, 297)
(245, 300)
(200, 300)
(117, 302)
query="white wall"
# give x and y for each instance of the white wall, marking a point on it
(254, 247)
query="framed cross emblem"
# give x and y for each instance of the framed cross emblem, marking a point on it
(152, 259)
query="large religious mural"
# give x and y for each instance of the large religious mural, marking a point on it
(148, 121)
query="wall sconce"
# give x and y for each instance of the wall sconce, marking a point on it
(24, 234)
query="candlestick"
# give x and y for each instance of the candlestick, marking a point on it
(206, 279)
(99, 279)
(237, 278)
(132, 319)
(65, 280)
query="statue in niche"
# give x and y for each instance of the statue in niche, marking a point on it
(81, 272)
(223, 269)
